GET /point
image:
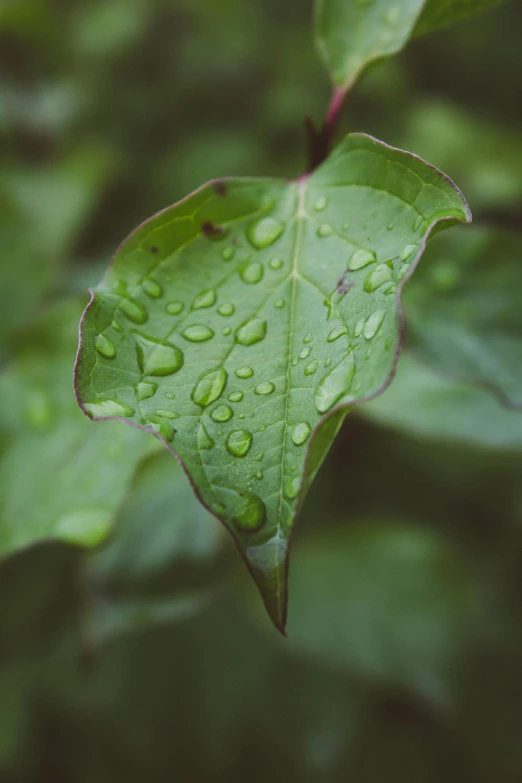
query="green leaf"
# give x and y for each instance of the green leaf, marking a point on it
(440, 13)
(59, 478)
(390, 602)
(242, 323)
(463, 310)
(351, 34)
(423, 403)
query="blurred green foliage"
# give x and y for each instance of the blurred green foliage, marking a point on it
(149, 658)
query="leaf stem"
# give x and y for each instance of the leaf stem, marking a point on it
(319, 141)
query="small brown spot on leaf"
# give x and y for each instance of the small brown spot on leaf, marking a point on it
(211, 231)
(154, 249)
(220, 188)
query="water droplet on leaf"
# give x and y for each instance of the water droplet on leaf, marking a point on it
(239, 443)
(228, 253)
(253, 273)
(226, 309)
(204, 299)
(102, 408)
(301, 433)
(264, 232)
(276, 263)
(105, 347)
(209, 387)
(321, 204)
(249, 513)
(334, 335)
(252, 332)
(134, 311)
(146, 390)
(156, 357)
(292, 488)
(174, 308)
(311, 368)
(244, 372)
(205, 442)
(152, 288)
(197, 333)
(379, 276)
(235, 396)
(325, 230)
(264, 388)
(374, 323)
(360, 259)
(222, 413)
(335, 385)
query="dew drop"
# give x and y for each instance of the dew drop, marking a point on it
(311, 368)
(417, 223)
(295, 361)
(228, 253)
(249, 512)
(222, 413)
(105, 347)
(152, 288)
(197, 333)
(133, 310)
(226, 331)
(301, 433)
(102, 408)
(379, 276)
(335, 385)
(390, 226)
(325, 230)
(360, 259)
(305, 353)
(116, 326)
(145, 390)
(209, 387)
(408, 250)
(226, 309)
(292, 488)
(308, 338)
(336, 333)
(374, 323)
(328, 362)
(244, 372)
(241, 416)
(170, 395)
(264, 388)
(276, 263)
(235, 396)
(162, 427)
(359, 326)
(260, 475)
(156, 357)
(239, 443)
(174, 308)
(264, 232)
(204, 299)
(253, 273)
(165, 414)
(321, 204)
(205, 442)
(280, 303)
(252, 332)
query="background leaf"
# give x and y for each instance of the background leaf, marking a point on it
(290, 315)
(59, 478)
(463, 311)
(351, 34)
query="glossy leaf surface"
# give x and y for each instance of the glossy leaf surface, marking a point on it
(240, 324)
(351, 34)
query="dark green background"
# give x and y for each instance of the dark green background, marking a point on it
(153, 660)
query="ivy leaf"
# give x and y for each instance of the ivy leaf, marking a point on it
(351, 34)
(464, 316)
(59, 479)
(241, 324)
